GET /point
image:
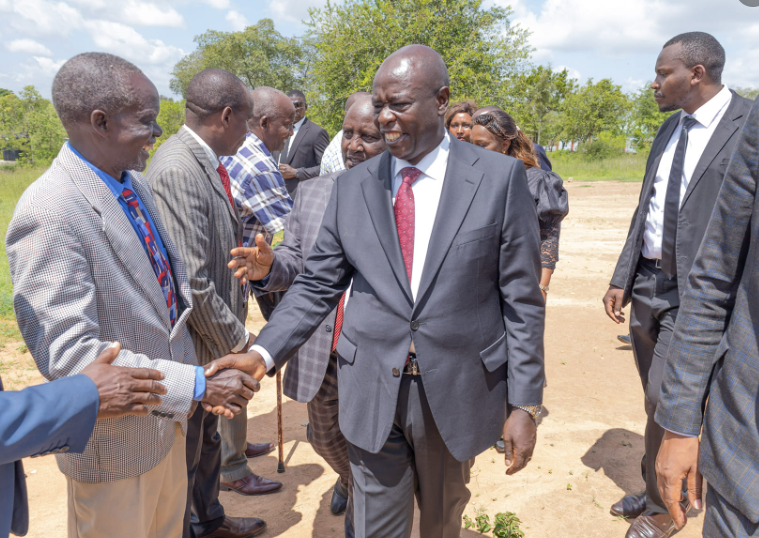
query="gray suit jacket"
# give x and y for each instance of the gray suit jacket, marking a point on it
(306, 369)
(94, 286)
(477, 322)
(305, 154)
(203, 224)
(714, 354)
(697, 204)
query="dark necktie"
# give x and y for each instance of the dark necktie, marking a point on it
(672, 203)
(161, 266)
(404, 216)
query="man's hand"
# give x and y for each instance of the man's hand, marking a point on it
(123, 391)
(613, 304)
(287, 171)
(678, 461)
(519, 436)
(228, 391)
(252, 263)
(252, 363)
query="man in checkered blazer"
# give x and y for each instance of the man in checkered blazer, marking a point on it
(92, 264)
(711, 378)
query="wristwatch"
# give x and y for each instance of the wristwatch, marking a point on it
(533, 410)
(544, 288)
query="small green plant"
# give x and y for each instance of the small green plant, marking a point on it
(569, 487)
(507, 526)
(468, 523)
(483, 522)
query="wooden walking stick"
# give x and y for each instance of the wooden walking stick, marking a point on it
(281, 464)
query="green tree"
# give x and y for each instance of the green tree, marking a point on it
(540, 94)
(481, 47)
(28, 122)
(644, 118)
(748, 93)
(259, 55)
(4, 92)
(595, 107)
(170, 118)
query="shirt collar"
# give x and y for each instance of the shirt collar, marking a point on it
(434, 164)
(708, 112)
(114, 185)
(211, 154)
(298, 125)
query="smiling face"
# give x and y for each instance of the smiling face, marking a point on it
(485, 139)
(408, 108)
(133, 129)
(461, 126)
(361, 138)
(674, 81)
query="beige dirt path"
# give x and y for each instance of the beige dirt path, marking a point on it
(589, 442)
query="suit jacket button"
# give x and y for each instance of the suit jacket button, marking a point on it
(155, 413)
(170, 415)
(328, 328)
(396, 372)
(414, 325)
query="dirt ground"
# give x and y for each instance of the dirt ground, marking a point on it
(590, 439)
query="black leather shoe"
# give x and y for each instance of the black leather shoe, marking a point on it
(339, 499)
(624, 338)
(239, 527)
(651, 525)
(630, 506)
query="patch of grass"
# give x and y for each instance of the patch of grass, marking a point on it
(13, 182)
(629, 167)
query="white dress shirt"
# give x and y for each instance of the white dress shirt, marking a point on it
(427, 190)
(296, 128)
(215, 160)
(707, 118)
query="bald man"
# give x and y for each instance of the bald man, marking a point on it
(440, 349)
(311, 376)
(332, 160)
(193, 196)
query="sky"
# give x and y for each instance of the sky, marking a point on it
(617, 39)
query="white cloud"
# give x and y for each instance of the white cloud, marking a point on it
(28, 46)
(573, 73)
(42, 18)
(134, 12)
(218, 4)
(292, 10)
(127, 42)
(48, 66)
(236, 20)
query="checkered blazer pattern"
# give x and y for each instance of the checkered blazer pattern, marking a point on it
(205, 226)
(305, 370)
(82, 280)
(714, 351)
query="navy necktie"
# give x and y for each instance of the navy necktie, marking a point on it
(672, 203)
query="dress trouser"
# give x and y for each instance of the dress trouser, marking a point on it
(655, 303)
(325, 436)
(413, 462)
(149, 505)
(234, 442)
(203, 511)
(723, 520)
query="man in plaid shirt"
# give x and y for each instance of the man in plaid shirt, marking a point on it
(263, 204)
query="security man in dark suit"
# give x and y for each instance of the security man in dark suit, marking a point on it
(302, 156)
(684, 173)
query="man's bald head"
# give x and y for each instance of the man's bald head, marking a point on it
(92, 81)
(410, 94)
(211, 91)
(272, 121)
(355, 95)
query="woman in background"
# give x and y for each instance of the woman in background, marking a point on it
(496, 130)
(458, 119)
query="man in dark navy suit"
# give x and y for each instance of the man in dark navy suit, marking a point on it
(58, 417)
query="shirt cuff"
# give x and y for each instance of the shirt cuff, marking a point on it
(241, 343)
(200, 384)
(265, 354)
(678, 433)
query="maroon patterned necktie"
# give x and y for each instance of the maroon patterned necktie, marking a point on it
(338, 322)
(404, 215)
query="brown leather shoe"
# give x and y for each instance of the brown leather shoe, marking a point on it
(651, 525)
(630, 506)
(239, 527)
(251, 485)
(258, 449)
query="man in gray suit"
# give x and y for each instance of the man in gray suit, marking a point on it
(714, 356)
(311, 375)
(193, 196)
(684, 173)
(443, 338)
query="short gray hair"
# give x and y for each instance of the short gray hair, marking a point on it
(266, 102)
(92, 81)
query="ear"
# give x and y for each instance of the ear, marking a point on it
(264, 122)
(506, 147)
(698, 73)
(443, 97)
(226, 116)
(99, 121)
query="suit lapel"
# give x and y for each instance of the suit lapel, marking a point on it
(298, 138)
(725, 129)
(117, 228)
(211, 172)
(660, 144)
(378, 194)
(460, 186)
